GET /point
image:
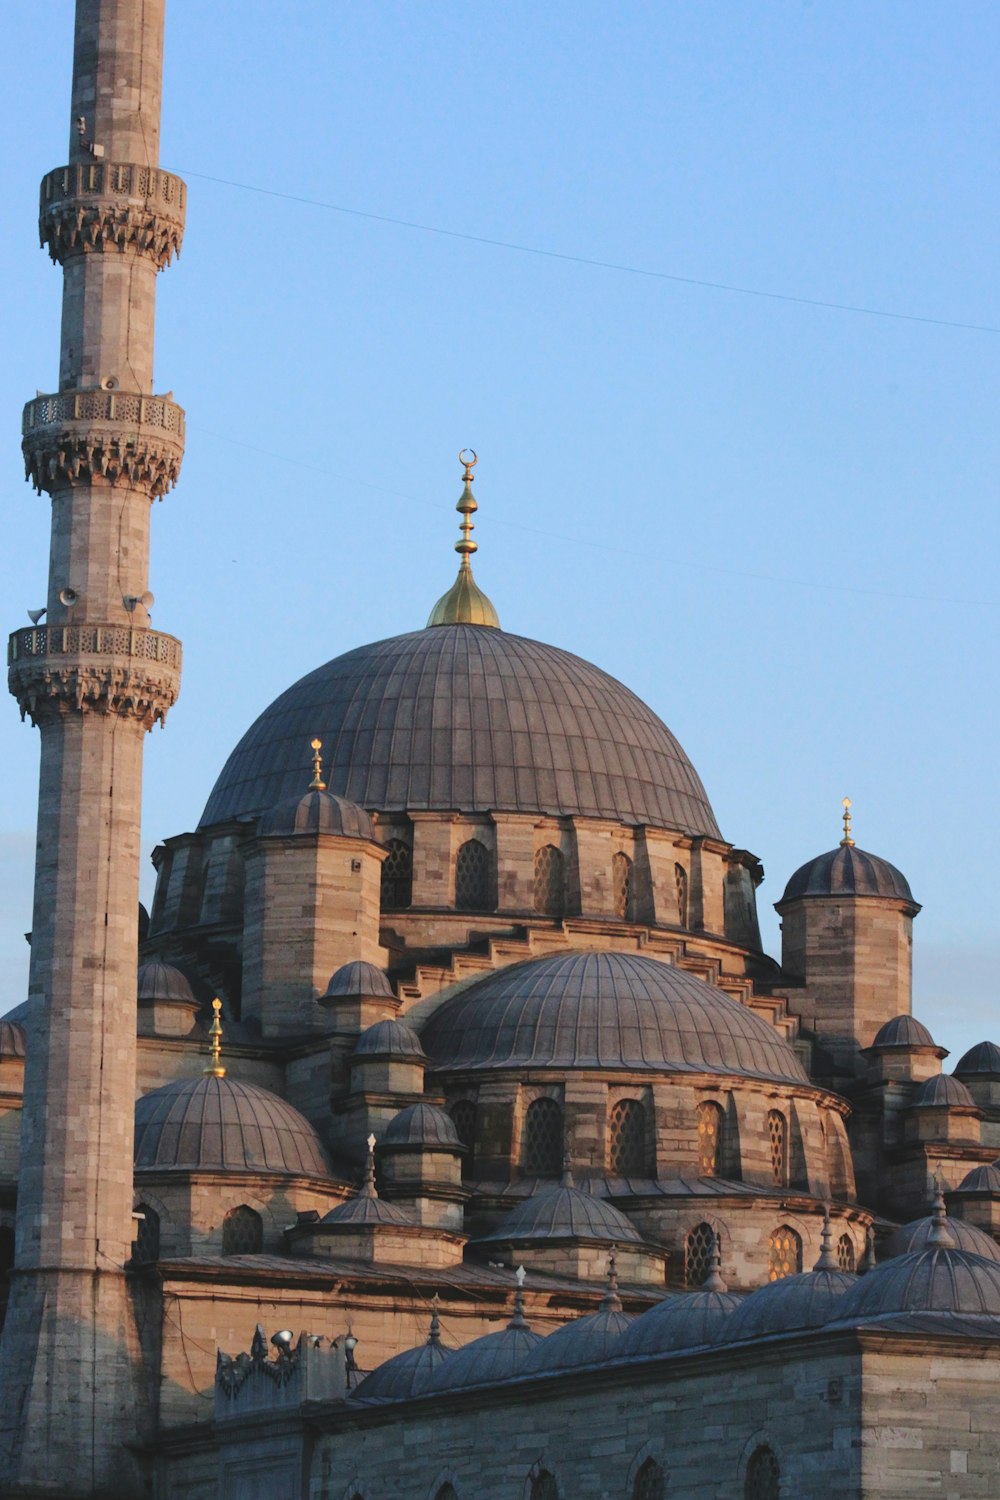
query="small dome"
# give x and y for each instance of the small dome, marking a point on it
(359, 978)
(936, 1280)
(159, 981)
(585, 1341)
(903, 1031)
(982, 1059)
(220, 1125)
(683, 1322)
(367, 1209)
(405, 1375)
(942, 1092)
(605, 1010)
(848, 871)
(495, 1356)
(12, 1039)
(916, 1234)
(389, 1039)
(981, 1180)
(317, 812)
(805, 1301)
(562, 1213)
(421, 1125)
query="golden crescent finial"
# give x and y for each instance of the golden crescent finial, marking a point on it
(847, 842)
(317, 784)
(468, 463)
(215, 1068)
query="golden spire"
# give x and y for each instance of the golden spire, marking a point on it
(317, 784)
(215, 1068)
(847, 842)
(465, 603)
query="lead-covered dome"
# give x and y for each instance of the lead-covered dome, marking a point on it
(220, 1125)
(848, 871)
(604, 1010)
(468, 718)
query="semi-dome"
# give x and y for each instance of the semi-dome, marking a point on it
(220, 1125)
(605, 1010)
(942, 1092)
(160, 981)
(562, 1212)
(389, 1039)
(684, 1322)
(471, 718)
(939, 1279)
(359, 978)
(917, 1233)
(848, 871)
(903, 1031)
(422, 1125)
(982, 1060)
(317, 812)
(805, 1301)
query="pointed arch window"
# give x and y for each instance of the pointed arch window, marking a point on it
(621, 881)
(447, 1492)
(649, 1483)
(474, 877)
(543, 1487)
(146, 1247)
(699, 1250)
(784, 1254)
(242, 1232)
(711, 1124)
(846, 1259)
(550, 881)
(542, 1153)
(627, 1139)
(681, 884)
(777, 1132)
(397, 876)
(763, 1480)
(463, 1117)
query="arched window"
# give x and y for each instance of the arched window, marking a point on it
(6, 1266)
(543, 1487)
(146, 1247)
(474, 877)
(699, 1250)
(242, 1232)
(463, 1117)
(397, 876)
(447, 1492)
(763, 1480)
(777, 1130)
(543, 1139)
(621, 880)
(711, 1121)
(845, 1253)
(649, 1482)
(681, 882)
(627, 1139)
(784, 1254)
(550, 881)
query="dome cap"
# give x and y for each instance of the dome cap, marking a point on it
(222, 1125)
(847, 871)
(12, 1039)
(939, 1279)
(903, 1031)
(359, 978)
(317, 812)
(366, 1207)
(562, 1212)
(465, 603)
(942, 1092)
(982, 1060)
(982, 1180)
(917, 1233)
(422, 1125)
(407, 1374)
(590, 1340)
(494, 1357)
(683, 1322)
(389, 1039)
(160, 981)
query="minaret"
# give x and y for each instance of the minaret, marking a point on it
(94, 678)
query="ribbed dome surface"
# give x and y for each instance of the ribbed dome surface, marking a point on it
(159, 981)
(563, 1212)
(903, 1031)
(983, 1058)
(585, 1341)
(366, 1209)
(805, 1301)
(935, 1280)
(389, 1039)
(359, 978)
(12, 1041)
(403, 1376)
(218, 1124)
(470, 718)
(942, 1091)
(916, 1234)
(604, 1010)
(981, 1180)
(496, 1356)
(421, 1125)
(318, 812)
(683, 1322)
(847, 871)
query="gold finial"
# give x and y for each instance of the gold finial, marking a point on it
(317, 784)
(465, 603)
(215, 1068)
(847, 842)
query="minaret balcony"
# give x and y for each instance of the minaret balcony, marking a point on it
(104, 434)
(112, 669)
(112, 206)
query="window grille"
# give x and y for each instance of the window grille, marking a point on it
(472, 877)
(543, 1139)
(845, 1253)
(550, 895)
(649, 1482)
(709, 1139)
(242, 1232)
(699, 1251)
(146, 1247)
(543, 1487)
(397, 876)
(621, 879)
(681, 881)
(463, 1117)
(446, 1492)
(627, 1136)
(777, 1129)
(763, 1476)
(784, 1256)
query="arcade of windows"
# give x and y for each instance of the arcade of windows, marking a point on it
(763, 1481)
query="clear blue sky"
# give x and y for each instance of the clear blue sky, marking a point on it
(776, 522)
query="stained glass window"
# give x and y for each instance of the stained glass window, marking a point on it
(710, 1119)
(621, 880)
(784, 1254)
(550, 882)
(845, 1253)
(777, 1129)
(543, 1139)
(627, 1139)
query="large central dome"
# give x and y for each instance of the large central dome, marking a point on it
(470, 719)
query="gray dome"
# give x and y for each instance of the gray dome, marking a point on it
(403, 1376)
(367, 1209)
(805, 1301)
(220, 1125)
(389, 1039)
(605, 1010)
(942, 1092)
(12, 1040)
(318, 812)
(470, 718)
(563, 1212)
(916, 1235)
(421, 1125)
(903, 1031)
(847, 871)
(981, 1180)
(936, 1280)
(982, 1059)
(495, 1356)
(359, 978)
(683, 1322)
(159, 981)
(584, 1341)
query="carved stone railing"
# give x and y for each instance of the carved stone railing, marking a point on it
(109, 669)
(117, 436)
(112, 206)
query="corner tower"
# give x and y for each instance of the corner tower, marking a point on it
(93, 678)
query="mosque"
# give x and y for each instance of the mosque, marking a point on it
(443, 1132)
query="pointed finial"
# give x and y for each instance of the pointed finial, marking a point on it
(215, 1068)
(518, 1319)
(714, 1280)
(368, 1190)
(567, 1172)
(611, 1302)
(465, 603)
(317, 784)
(847, 842)
(939, 1237)
(434, 1336)
(827, 1260)
(868, 1259)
